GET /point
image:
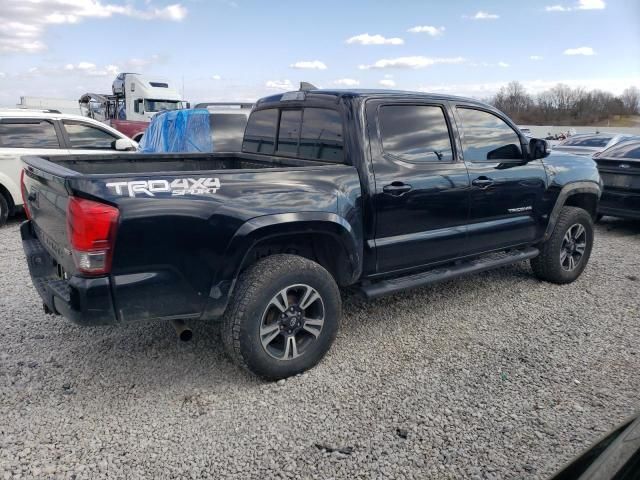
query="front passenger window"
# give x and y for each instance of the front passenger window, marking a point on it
(87, 137)
(486, 137)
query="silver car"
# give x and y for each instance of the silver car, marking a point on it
(589, 143)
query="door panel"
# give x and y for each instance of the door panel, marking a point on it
(505, 191)
(421, 191)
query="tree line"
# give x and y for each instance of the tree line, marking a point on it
(563, 105)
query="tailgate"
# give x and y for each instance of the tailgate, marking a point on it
(46, 198)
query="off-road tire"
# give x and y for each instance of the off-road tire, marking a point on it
(547, 266)
(255, 289)
(4, 210)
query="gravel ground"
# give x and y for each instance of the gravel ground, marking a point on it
(493, 376)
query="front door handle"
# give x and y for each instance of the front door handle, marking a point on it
(482, 182)
(396, 188)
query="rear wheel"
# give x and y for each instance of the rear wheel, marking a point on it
(564, 256)
(4, 210)
(283, 317)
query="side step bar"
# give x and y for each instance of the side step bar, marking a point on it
(440, 274)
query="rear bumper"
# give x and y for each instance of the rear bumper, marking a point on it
(85, 301)
(620, 203)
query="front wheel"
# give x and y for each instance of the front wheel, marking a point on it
(564, 256)
(283, 317)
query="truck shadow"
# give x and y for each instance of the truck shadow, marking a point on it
(620, 225)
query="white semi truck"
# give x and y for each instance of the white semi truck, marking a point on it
(135, 99)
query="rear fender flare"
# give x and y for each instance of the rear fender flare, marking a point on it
(272, 226)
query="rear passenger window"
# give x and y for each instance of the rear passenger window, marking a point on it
(289, 132)
(321, 135)
(415, 133)
(260, 134)
(35, 134)
(487, 137)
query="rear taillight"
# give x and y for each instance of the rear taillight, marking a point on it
(25, 195)
(91, 228)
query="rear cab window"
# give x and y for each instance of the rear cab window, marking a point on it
(260, 134)
(28, 134)
(310, 133)
(321, 135)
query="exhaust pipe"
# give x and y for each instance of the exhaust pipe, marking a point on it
(182, 330)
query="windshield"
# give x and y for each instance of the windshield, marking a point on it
(161, 105)
(586, 141)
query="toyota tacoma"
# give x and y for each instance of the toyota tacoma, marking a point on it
(375, 191)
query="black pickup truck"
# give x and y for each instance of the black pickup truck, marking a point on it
(378, 191)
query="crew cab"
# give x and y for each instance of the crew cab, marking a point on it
(46, 132)
(375, 191)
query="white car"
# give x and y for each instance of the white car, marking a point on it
(46, 132)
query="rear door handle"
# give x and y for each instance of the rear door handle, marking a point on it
(482, 182)
(396, 188)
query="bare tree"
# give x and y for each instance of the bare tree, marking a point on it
(563, 104)
(631, 100)
(513, 99)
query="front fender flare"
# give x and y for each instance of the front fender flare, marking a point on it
(565, 193)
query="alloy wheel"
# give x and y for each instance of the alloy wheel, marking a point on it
(573, 247)
(292, 322)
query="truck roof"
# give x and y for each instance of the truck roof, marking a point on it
(360, 92)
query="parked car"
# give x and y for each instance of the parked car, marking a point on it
(195, 130)
(619, 168)
(46, 132)
(590, 143)
(377, 191)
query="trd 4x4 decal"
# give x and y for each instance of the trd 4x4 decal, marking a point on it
(177, 187)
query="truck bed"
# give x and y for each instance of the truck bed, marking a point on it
(132, 163)
(184, 225)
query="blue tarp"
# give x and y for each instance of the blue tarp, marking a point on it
(186, 130)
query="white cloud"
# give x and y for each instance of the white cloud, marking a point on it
(428, 29)
(387, 82)
(309, 65)
(366, 39)
(410, 62)
(482, 15)
(488, 64)
(347, 82)
(536, 57)
(591, 4)
(279, 84)
(23, 22)
(216, 77)
(580, 51)
(581, 5)
(86, 66)
(90, 69)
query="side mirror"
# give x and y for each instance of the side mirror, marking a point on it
(538, 148)
(123, 145)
